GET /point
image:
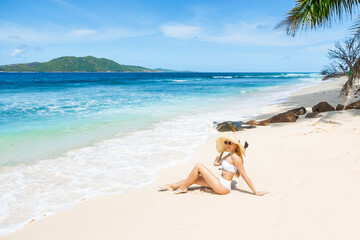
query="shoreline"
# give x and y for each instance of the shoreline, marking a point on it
(303, 97)
(112, 208)
(73, 173)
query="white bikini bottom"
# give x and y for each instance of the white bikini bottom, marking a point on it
(225, 183)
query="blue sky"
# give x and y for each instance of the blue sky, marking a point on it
(197, 35)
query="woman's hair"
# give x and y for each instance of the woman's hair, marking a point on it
(238, 152)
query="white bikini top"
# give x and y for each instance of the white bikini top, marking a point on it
(228, 166)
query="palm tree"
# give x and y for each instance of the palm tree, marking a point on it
(314, 14)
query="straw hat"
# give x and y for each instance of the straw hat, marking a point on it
(230, 136)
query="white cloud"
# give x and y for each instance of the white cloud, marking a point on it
(38, 48)
(114, 33)
(16, 33)
(323, 48)
(247, 34)
(80, 11)
(18, 50)
(81, 32)
(14, 37)
(10, 32)
(181, 31)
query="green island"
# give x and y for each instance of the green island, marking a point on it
(75, 64)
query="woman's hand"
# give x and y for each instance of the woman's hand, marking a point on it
(260, 193)
(217, 159)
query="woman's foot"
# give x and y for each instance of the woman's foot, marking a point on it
(180, 190)
(166, 187)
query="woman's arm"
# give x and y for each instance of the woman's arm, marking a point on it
(239, 164)
(218, 160)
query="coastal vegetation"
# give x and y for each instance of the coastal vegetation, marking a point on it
(342, 57)
(314, 14)
(74, 64)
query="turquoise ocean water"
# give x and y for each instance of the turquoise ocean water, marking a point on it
(68, 136)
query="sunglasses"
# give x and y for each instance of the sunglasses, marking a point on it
(227, 143)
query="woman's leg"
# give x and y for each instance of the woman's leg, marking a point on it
(207, 179)
(172, 186)
(200, 181)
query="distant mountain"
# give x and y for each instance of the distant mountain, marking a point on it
(169, 70)
(74, 64)
(164, 70)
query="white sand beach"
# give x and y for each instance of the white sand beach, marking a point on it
(311, 169)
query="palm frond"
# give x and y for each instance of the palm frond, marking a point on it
(355, 28)
(313, 14)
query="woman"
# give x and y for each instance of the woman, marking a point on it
(232, 164)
